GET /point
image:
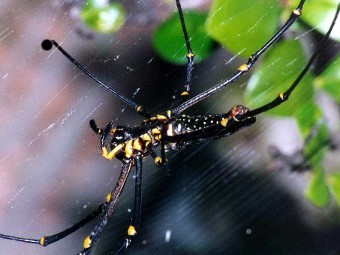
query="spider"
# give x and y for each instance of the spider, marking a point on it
(170, 130)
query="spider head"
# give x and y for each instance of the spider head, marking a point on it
(237, 118)
(239, 114)
(121, 134)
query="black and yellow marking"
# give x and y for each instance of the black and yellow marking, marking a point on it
(297, 12)
(108, 198)
(183, 123)
(87, 242)
(158, 161)
(185, 93)
(140, 108)
(161, 117)
(128, 149)
(243, 68)
(224, 122)
(131, 231)
(281, 95)
(190, 55)
(110, 155)
(42, 241)
(138, 145)
(156, 133)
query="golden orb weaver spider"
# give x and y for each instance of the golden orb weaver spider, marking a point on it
(169, 130)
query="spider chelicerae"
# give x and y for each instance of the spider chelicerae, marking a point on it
(169, 130)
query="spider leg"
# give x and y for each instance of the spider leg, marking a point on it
(135, 220)
(47, 45)
(283, 96)
(103, 132)
(110, 203)
(244, 67)
(156, 159)
(47, 240)
(190, 58)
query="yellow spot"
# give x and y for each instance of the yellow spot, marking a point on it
(168, 113)
(140, 108)
(131, 231)
(161, 117)
(297, 12)
(156, 134)
(155, 131)
(128, 149)
(104, 152)
(87, 242)
(158, 161)
(42, 241)
(243, 68)
(138, 144)
(185, 93)
(108, 198)
(224, 122)
(110, 155)
(281, 95)
(146, 137)
(190, 55)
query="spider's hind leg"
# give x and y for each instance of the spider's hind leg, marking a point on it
(184, 94)
(111, 200)
(135, 220)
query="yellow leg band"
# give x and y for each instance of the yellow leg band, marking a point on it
(110, 155)
(131, 231)
(87, 242)
(42, 241)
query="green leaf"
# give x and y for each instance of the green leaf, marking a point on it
(308, 118)
(274, 74)
(317, 191)
(319, 14)
(334, 185)
(243, 26)
(102, 17)
(169, 43)
(329, 80)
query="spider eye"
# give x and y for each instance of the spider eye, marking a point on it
(46, 44)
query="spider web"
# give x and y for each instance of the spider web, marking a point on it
(214, 198)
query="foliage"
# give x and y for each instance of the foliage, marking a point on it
(242, 27)
(102, 17)
(168, 38)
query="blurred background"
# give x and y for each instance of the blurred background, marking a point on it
(214, 198)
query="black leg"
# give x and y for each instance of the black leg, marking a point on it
(47, 45)
(46, 240)
(282, 97)
(111, 201)
(243, 68)
(135, 220)
(190, 59)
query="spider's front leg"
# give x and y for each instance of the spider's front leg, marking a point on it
(109, 130)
